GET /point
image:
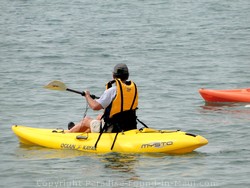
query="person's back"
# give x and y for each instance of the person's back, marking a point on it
(121, 113)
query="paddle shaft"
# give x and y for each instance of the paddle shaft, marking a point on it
(82, 93)
(74, 91)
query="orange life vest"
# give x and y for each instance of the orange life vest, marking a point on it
(121, 112)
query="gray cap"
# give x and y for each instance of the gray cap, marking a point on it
(121, 71)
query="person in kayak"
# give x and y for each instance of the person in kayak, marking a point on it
(119, 101)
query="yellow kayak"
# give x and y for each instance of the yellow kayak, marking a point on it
(134, 141)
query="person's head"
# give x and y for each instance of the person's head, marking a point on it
(121, 71)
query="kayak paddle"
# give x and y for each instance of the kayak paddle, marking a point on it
(60, 86)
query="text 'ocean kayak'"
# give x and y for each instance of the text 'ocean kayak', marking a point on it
(230, 95)
(133, 141)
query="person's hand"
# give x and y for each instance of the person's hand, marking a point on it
(87, 93)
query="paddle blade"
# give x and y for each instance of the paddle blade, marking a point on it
(56, 85)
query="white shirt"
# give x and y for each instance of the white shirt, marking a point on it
(107, 97)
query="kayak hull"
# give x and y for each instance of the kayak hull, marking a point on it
(233, 95)
(133, 141)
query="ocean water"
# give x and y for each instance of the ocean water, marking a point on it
(172, 49)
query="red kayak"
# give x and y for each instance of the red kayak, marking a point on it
(230, 95)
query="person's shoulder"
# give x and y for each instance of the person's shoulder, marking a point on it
(112, 88)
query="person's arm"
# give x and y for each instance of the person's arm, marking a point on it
(92, 103)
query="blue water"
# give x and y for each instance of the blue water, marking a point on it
(172, 49)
